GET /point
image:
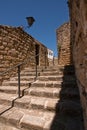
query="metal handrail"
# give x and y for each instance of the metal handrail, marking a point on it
(18, 66)
(13, 67)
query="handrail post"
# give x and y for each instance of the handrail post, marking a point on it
(19, 81)
(45, 59)
(36, 66)
(36, 70)
(53, 60)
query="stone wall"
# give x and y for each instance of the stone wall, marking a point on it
(53, 62)
(16, 46)
(63, 44)
(78, 18)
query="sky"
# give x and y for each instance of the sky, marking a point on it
(49, 15)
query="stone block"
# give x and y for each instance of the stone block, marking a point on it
(32, 122)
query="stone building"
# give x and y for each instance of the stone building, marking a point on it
(78, 18)
(50, 57)
(63, 44)
(16, 46)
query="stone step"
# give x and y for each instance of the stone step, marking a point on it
(69, 93)
(42, 69)
(13, 90)
(4, 108)
(69, 67)
(34, 102)
(7, 127)
(57, 78)
(53, 69)
(13, 86)
(19, 119)
(45, 92)
(28, 102)
(7, 99)
(28, 73)
(25, 82)
(43, 73)
(34, 91)
(15, 83)
(37, 83)
(69, 78)
(69, 107)
(69, 70)
(26, 78)
(54, 73)
(71, 84)
(50, 78)
(41, 104)
(66, 122)
(33, 70)
(26, 120)
(6, 88)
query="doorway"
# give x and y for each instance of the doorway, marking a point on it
(37, 47)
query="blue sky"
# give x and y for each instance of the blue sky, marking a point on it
(48, 15)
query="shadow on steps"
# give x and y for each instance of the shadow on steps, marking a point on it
(68, 109)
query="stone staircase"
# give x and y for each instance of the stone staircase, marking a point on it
(50, 102)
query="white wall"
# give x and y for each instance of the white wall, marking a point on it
(50, 54)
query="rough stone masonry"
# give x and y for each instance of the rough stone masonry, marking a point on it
(63, 44)
(16, 46)
(78, 19)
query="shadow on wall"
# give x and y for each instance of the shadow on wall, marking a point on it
(68, 109)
